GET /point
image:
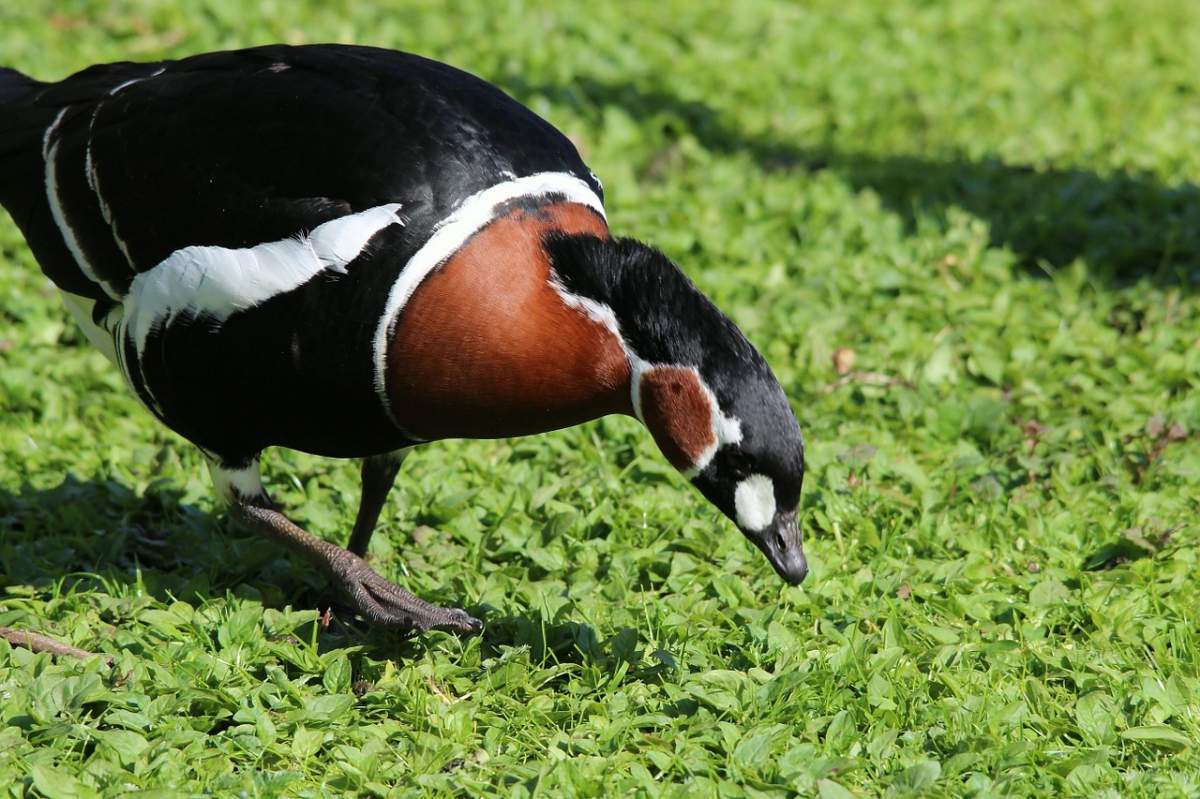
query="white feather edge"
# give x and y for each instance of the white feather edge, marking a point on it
(122, 86)
(50, 157)
(93, 180)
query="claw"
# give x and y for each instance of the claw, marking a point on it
(376, 599)
(386, 603)
(461, 622)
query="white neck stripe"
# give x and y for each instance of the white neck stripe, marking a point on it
(474, 214)
(725, 429)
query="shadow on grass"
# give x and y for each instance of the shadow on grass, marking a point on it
(1126, 226)
(104, 528)
(103, 536)
(563, 641)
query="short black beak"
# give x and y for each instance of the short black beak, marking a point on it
(782, 544)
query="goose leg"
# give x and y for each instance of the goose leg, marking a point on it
(378, 475)
(375, 598)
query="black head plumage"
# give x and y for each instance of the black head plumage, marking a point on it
(664, 319)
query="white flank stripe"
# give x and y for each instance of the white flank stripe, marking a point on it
(469, 218)
(219, 281)
(102, 336)
(50, 156)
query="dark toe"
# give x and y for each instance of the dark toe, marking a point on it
(460, 621)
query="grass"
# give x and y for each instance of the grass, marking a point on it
(992, 207)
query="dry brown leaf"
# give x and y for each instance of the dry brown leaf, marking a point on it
(843, 360)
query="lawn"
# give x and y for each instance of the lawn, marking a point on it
(966, 236)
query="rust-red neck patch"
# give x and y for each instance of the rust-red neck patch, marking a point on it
(678, 411)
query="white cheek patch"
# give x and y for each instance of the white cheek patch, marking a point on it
(754, 502)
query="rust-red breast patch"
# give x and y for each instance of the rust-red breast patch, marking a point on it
(486, 347)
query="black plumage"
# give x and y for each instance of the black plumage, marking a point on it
(238, 148)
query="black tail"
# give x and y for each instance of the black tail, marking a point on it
(14, 85)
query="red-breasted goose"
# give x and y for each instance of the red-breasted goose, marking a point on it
(351, 251)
